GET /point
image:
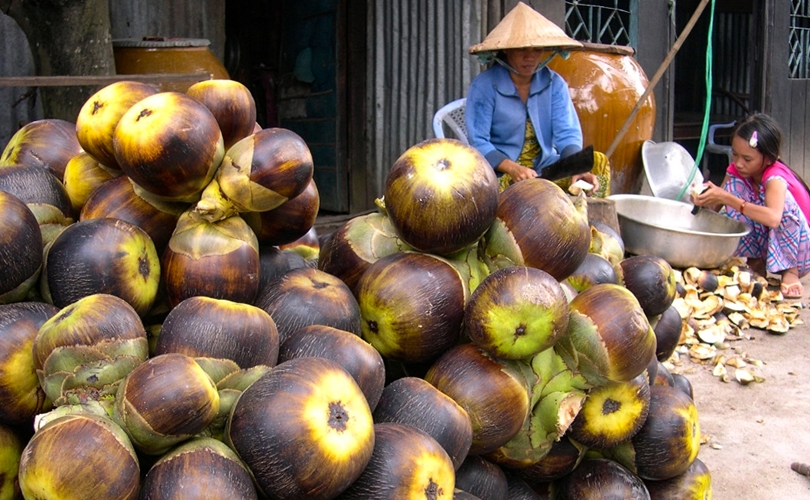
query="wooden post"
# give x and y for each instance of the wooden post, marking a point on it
(658, 74)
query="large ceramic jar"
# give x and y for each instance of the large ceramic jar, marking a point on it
(167, 55)
(606, 82)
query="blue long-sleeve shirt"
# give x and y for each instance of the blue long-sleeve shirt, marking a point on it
(495, 116)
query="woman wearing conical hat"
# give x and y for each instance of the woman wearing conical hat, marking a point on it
(519, 113)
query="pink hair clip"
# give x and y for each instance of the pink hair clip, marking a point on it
(754, 140)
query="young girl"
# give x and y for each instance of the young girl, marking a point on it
(770, 198)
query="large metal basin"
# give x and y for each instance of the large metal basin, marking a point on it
(667, 228)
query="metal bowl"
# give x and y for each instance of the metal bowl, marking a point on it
(668, 167)
(667, 228)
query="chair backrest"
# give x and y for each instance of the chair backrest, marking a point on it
(451, 115)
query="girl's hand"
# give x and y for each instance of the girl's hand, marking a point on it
(709, 195)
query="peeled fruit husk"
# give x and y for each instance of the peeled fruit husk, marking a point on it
(266, 169)
(537, 225)
(231, 103)
(412, 306)
(304, 429)
(481, 478)
(21, 396)
(441, 195)
(83, 352)
(308, 296)
(669, 441)
(355, 355)
(612, 413)
(111, 256)
(412, 401)
(289, 221)
(120, 198)
(20, 249)
(218, 328)
(82, 457)
(164, 401)
(83, 174)
(48, 143)
(169, 144)
(494, 392)
(599, 478)
(516, 312)
(98, 117)
(213, 259)
(357, 244)
(407, 464)
(608, 335)
(197, 469)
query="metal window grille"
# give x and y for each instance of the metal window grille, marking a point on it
(601, 21)
(799, 40)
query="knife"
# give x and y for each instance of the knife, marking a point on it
(577, 163)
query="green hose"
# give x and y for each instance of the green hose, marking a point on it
(705, 129)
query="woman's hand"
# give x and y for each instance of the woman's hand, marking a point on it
(516, 171)
(588, 177)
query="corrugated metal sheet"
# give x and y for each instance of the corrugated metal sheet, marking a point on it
(175, 18)
(418, 61)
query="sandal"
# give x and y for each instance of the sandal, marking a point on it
(792, 290)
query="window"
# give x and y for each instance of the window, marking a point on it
(601, 21)
(799, 40)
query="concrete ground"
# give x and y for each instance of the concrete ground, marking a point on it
(754, 432)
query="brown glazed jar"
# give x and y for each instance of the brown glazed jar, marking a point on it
(606, 82)
(146, 55)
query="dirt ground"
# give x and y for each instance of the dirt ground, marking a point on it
(753, 433)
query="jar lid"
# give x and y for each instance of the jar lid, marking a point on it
(155, 42)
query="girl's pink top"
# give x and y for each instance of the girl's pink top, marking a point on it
(795, 186)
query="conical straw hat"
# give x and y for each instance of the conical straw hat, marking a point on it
(524, 27)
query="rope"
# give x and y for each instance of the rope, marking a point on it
(706, 113)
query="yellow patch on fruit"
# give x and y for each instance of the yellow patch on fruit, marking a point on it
(433, 477)
(338, 416)
(442, 163)
(691, 429)
(17, 373)
(613, 413)
(521, 327)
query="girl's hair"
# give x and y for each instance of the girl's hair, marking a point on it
(762, 133)
(768, 138)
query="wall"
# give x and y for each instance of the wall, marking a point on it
(417, 62)
(184, 19)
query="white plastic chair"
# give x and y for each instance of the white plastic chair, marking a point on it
(451, 115)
